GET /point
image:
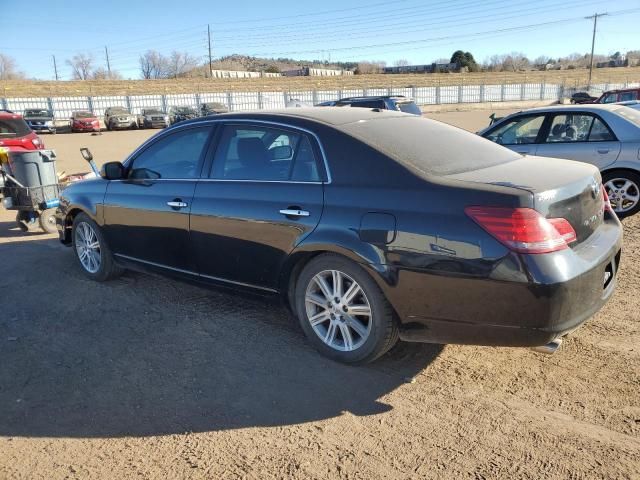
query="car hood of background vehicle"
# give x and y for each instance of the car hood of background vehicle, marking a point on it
(38, 119)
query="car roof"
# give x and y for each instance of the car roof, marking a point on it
(374, 97)
(334, 116)
(572, 108)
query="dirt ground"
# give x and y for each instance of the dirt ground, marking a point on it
(145, 377)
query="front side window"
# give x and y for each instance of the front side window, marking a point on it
(579, 127)
(611, 98)
(176, 156)
(265, 154)
(517, 131)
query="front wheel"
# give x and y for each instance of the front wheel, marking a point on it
(623, 188)
(91, 250)
(343, 312)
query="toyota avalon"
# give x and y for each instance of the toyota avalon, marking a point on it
(371, 225)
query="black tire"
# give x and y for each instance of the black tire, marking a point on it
(623, 175)
(25, 222)
(108, 126)
(47, 220)
(107, 269)
(383, 331)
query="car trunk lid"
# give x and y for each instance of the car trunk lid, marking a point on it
(559, 189)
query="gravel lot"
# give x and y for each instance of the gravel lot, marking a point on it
(149, 378)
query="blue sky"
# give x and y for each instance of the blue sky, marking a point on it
(418, 31)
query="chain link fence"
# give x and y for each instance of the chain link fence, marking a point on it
(238, 101)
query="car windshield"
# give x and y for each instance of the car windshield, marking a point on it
(153, 111)
(13, 127)
(184, 110)
(630, 114)
(82, 115)
(37, 113)
(409, 107)
(119, 111)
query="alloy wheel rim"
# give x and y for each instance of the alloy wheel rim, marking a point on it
(623, 193)
(338, 310)
(88, 247)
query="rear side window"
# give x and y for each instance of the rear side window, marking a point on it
(627, 96)
(13, 127)
(264, 154)
(176, 156)
(578, 128)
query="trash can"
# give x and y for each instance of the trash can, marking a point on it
(33, 168)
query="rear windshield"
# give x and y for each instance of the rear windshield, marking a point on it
(409, 107)
(429, 147)
(630, 114)
(13, 127)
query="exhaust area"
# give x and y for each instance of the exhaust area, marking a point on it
(549, 348)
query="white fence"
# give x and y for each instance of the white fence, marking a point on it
(237, 101)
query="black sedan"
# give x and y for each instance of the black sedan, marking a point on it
(371, 225)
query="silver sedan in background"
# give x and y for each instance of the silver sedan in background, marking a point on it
(607, 136)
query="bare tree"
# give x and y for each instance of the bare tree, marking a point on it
(8, 69)
(154, 65)
(401, 63)
(81, 66)
(102, 73)
(516, 61)
(180, 64)
(366, 67)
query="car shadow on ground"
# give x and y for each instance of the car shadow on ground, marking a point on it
(145, 355)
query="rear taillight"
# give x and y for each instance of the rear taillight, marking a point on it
(524, 230)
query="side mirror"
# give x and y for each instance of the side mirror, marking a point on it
(281, 153)
(86, 154)
(112, 171)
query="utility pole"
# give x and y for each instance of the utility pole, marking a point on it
(55, 67)
(210, 62)
(593, 42)
(106, 53)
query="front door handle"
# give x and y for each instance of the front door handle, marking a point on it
(177, 204)
(603, 150)
(290, 212)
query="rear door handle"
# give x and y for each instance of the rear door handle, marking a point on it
(177, 204)
(294, 212)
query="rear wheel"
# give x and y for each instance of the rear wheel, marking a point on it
(91, 250)
(343, 312)
(623, 188)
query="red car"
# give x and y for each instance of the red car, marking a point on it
(15, 134)
(614, 96)
(84, 121)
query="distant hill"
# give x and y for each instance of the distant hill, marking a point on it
(255, 64)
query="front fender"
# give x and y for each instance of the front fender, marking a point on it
(86, 196)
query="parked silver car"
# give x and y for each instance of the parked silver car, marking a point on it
(607, 136)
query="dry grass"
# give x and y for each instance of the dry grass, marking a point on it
(571, 78)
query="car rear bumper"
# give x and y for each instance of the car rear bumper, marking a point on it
(556, 297)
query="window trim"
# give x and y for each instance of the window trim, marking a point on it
(594, 115)
(208, 161)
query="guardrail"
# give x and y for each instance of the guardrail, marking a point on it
(237, 101)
